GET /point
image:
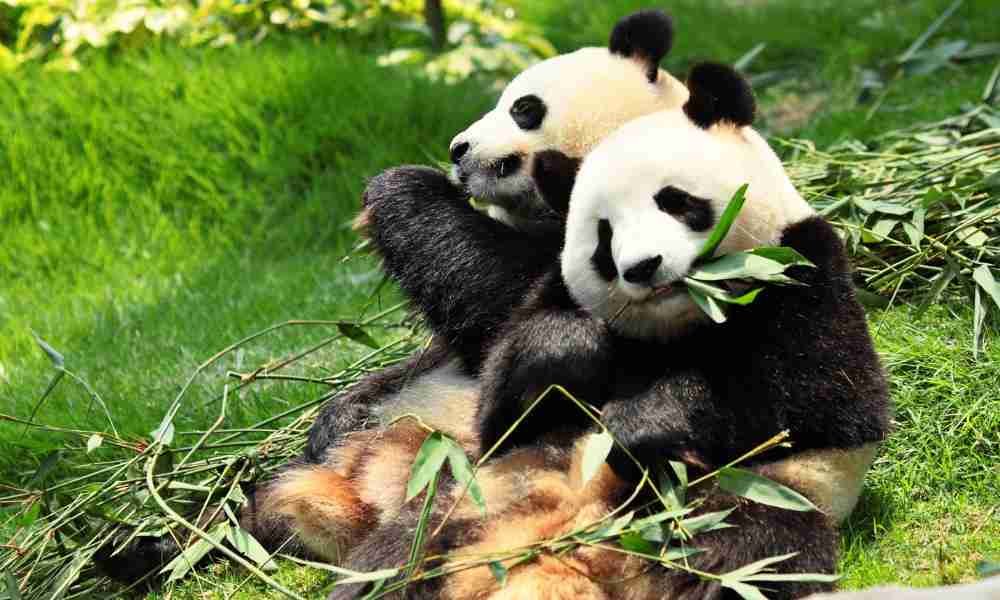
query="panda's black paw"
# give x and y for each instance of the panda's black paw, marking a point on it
(552, 350)
(410, 183)
(139, 560)
(640, 445)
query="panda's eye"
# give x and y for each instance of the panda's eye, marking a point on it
(528, 112)
(694, 212)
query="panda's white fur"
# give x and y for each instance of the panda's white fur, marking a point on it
(618, 181)
(587, 93)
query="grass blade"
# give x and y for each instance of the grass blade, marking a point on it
(930, 31)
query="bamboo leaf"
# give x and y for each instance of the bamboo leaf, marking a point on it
(427, 463)
(674, 493)
(757, 566)
(660, 517)
(611, 529)
(595, 453)
(247, 545)
(353, 332)
(192, 555)
(739, 265)
(940, 284)
(912, 233)
(984, 278)
(461, 468)
(681, 553)
(68, 575)
(707, 522)
(725, 222)
(746, 484)
(978, 318)
(745, 590)
(164, 433)
(790, 257)
(708, 305)
(634, 542)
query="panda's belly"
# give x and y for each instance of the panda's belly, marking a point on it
(444, 399)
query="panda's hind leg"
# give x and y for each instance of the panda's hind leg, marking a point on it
(759, 531)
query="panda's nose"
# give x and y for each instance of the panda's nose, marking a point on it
(642, 272)
(458, 151)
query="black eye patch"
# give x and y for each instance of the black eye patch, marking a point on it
(694, 212)
(528, 112)
(602, 260)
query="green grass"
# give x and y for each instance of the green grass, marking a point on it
(158, 206)
(155, 209)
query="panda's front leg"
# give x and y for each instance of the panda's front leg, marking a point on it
(676, 419)
(464, 271)
(566, 348)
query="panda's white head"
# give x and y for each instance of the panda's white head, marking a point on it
(647, 197)
(560, 108)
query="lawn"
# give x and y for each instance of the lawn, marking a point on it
(162, 204)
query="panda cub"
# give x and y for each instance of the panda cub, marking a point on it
(613, 324)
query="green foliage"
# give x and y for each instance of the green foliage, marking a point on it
(724, 279)
(481, 37)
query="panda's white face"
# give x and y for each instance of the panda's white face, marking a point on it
(645, 202)
(566, 104)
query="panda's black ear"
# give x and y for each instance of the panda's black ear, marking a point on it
(555, 174)
(719, 93)
(645, 36)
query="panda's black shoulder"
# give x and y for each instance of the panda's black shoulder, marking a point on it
(549, 292)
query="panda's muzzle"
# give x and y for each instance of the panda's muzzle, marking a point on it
(467, 165)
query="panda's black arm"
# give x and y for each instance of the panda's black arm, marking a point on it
(549, 341)
(679, 418)
(465, 271)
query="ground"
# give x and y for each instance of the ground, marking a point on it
(162, 204)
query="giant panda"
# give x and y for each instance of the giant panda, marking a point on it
(613, 324)
(468, 272)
